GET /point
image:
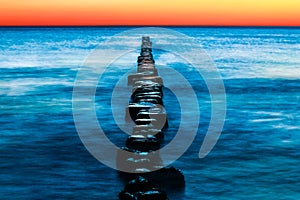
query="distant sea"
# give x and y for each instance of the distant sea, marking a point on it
(256, 157)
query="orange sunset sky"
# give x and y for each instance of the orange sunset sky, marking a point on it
(150, 12)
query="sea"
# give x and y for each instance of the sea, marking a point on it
(257, 155)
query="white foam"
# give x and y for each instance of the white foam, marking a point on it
(237, 55)
(268, 113)
(286, 141)
(266, 120)
(168, 58)
(286, 127)
(21, 86)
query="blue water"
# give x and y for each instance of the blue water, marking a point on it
(257, 156)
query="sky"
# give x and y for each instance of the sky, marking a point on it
(150, 12)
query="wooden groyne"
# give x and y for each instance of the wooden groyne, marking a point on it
(143, 169)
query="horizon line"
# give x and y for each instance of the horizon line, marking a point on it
(138, 25)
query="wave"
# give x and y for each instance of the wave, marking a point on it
(22, 86)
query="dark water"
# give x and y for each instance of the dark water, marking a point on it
(257, 156)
